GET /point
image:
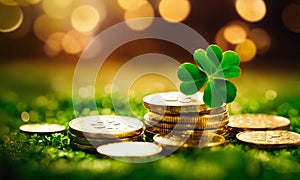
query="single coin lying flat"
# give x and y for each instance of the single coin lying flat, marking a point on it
(42, 128)
(257, 122)
(270, 139)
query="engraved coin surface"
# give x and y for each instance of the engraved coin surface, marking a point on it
(177, 102)
(42, 128)
(257, 122)
(130, 149)
(272, 139)
(105, 126)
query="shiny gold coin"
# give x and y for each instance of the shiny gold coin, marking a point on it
(270, 139)
(214, 125)
(187, 118)
(100, 141)
(192, 133)
(42, 128)
(207, 140)
(109, 126)
(177, 103)
(130, 149)
(257, 122)
(200, 122)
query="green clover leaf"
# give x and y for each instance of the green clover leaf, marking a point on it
(214, 67)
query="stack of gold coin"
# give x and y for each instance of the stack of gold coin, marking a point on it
(87, 133)
(173, 113)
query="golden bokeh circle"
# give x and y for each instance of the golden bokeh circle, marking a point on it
(11, 18)
(251, 10)
(145, 10)
(174, 11)
(235, 34)
(246, 50)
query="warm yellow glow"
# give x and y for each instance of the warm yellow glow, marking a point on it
(58, 9)
(11, 18)
(261, 38)
(235, 34)
(174, 11)
(9, 2)
(143, 11)
(246, 50)
(25, 116)
(53, 46)
(85, 18)
(27, 2)
(44, 26)
(220, 40)
(130, 4)
(74, 42)
(251, 10)
(291, 17)
(270, 94)
(240, 23)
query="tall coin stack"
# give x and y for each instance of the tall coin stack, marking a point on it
(173, 113)
(89, 132)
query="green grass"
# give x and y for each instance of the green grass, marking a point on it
(28, 88)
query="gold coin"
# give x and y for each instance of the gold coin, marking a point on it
(42, 128)
(270, 139)
(177, 103)
(187, 118)
(192, 133)
(130, 149)
(207, 140)
(185, 122)
(257, 122)
(109, 126)
(100, 141)
(198, 126)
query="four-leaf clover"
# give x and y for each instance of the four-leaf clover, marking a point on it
(212, 72)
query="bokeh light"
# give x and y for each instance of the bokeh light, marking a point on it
(11, 18)
(85, 18)
(246, 50)
(235, 34)
(25, 116)
(130, 4)
(174, 11)
(220, 40)
(261, 38)
(57, 8)
(143, 11)
(270, 94)
(9, 2)
(251, 10)
(291, 17)
(74, 42)
(53, 45)
(44, 26)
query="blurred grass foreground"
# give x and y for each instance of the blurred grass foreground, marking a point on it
(32, 93)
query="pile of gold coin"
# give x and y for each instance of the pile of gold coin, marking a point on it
(89, 132)
(263, 131)
(175, 115)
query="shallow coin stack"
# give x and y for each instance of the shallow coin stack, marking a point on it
(263, 131)
(175, 114)
(88, 133)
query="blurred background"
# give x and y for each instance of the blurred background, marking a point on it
(44, 38)
(51, 28)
